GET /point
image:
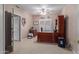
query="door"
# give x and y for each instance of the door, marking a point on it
(8, 40)
(16, 27)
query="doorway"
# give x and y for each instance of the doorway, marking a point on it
(16, 28)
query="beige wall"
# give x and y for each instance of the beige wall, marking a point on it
(53, 16)
(70, 11)
(2, 33)
(77, 22)
(24, 14)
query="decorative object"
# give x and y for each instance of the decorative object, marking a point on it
(23, 21)
(56, 25)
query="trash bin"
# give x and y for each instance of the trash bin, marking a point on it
(61, 42)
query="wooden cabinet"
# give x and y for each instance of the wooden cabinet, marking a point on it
(56, 37)
(61, 28)
(45, 37)
(53, 37)
(61, 25)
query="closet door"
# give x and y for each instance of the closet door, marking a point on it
(8, 40)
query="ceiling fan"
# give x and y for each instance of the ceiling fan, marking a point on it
(44, 10)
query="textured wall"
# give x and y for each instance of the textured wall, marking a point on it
(70, 11)
(24, 14)
(1, 30)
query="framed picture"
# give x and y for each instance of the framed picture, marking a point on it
(23, 21)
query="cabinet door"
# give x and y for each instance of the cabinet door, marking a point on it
(8, 41)
(61, 25)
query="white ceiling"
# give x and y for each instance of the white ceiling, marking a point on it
(32, 8)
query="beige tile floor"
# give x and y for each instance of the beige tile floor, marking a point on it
(30, 46)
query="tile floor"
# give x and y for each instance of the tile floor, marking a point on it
(30, 46)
